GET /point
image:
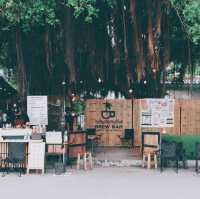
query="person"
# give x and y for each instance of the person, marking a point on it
(22, 119)
(11, 116)
(1, 119)
(68, 119)
(5, 118)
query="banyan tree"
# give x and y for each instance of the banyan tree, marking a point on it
(98, 45)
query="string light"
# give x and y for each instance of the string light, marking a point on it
(130, 91)
(63, 83)
(99, 80)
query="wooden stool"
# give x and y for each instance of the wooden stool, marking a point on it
(85, 158)
(151, 158)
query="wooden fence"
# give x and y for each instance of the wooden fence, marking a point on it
(99, 115)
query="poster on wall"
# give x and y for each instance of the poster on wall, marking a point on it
(157, 113)
(37, 110)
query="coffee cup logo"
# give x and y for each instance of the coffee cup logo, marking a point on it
(107, 113)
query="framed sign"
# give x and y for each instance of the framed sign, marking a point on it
(157, 113)
(37, 110)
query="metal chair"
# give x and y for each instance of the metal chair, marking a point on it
(181, 154)
(169, 152)
(91, 140)
(128, 137)
(15, 157)
(197, 150)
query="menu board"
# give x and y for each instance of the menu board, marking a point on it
(37, 110)
(157, 113)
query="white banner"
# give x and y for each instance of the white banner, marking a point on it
(37, 109)
(157, 113)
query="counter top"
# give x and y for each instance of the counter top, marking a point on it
(15, 132)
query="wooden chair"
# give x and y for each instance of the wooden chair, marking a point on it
(150, 149)
(150, 157)
(85, 159)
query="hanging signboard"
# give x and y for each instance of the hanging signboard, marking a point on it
(109, 118)
(157, 113)
(37, 110)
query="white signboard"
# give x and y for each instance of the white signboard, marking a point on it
(37, 110)
(54, 137)
(157, 113)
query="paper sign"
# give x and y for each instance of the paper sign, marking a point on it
(157, 113)
(37, 110)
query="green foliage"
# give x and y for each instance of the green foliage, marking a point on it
(29, 13)
(192, 16)
(189, 12)
(86, 7)
(188, 141)
(78, 107)
(26, 14)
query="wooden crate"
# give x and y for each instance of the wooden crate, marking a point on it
(77, 143)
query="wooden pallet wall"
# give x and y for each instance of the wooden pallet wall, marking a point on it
(186, 116)
(110, 129)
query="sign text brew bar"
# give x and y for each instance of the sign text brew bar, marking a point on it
(110, 118)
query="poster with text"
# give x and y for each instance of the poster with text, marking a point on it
(37, 110)
(157, 113)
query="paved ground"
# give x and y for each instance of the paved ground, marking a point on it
(104, 183)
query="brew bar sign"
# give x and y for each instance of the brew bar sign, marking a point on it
(108, 119)
(108, 116)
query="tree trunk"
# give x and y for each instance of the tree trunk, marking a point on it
(151, 53)
(137, 43)
(21, 68)
(126, 55)
(158, 19)
(157, 35)
(69, 46)
(166, 42)
(48, 50)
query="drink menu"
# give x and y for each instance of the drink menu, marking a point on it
(37, 110)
